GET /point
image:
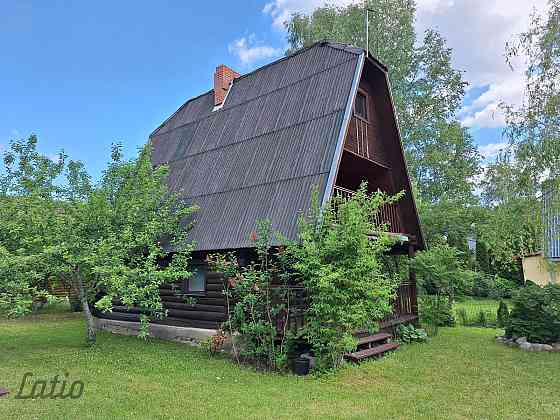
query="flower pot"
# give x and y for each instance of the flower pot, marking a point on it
(301, 366)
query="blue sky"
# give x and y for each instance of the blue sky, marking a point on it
(82, 75)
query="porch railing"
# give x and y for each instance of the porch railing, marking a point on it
(404, 309)
(387, 214)
(404, 305)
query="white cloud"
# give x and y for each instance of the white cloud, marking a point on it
(477, 30)
(249, 51)
(491, 150)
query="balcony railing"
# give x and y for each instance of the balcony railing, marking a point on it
(357, 140)
(387, 214)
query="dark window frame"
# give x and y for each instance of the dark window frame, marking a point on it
(187, 282)
(366, 105)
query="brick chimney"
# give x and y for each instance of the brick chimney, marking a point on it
(222, 80)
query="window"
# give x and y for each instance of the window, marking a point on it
(360, 107)
(197, 282)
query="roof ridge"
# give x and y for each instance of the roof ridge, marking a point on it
(295, 53)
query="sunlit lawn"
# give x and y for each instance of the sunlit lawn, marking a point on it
(461, 374)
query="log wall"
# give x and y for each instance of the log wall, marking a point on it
(208, 311)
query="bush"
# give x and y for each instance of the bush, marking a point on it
(503, 288)
(408, 333)
(342, 269)
(463, 316)
(494, 287)
(440, 271)
(482, 320)
(536, 314)
(256, 298)
(436, 311)
(502, 314)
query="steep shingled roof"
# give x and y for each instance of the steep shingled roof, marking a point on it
(263, 152)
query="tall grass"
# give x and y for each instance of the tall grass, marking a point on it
(476, 312)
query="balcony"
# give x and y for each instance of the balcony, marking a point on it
(362, 140)
(388, 214)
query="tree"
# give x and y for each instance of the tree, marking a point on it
(29, 198)
(533, 128)
(106, 239)
(112, 242)
(514, 183)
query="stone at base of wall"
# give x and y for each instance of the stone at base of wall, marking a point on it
(192, 336)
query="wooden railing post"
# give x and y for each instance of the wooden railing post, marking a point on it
(412, 280)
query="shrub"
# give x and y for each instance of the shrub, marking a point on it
(536, 314)
(256, 300)
(214, 343)
(463, 316)
(440, 271)
(340, 265)
(494, 287)
(483, 285)
(408, 333)
(436, 311)
(503, 288)
(502, 314)
(481, 319)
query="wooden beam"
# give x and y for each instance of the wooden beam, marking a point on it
(412, 280)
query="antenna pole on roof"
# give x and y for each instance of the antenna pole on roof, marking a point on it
(367, 25)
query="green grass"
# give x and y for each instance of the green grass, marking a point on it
(474, 306)
(461, 374)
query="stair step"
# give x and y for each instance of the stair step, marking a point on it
(374, 351)
(373, 338)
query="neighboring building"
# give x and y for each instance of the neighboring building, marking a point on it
(543, 268)
(540, 270)
(257, 145)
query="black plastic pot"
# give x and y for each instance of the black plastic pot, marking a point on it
(301, 366)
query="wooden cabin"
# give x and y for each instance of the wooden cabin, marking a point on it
(255, 147)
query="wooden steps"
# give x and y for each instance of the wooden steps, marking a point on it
(382, 336)
(378, 350)
(374, 345)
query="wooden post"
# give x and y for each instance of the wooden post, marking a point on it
(412, 281)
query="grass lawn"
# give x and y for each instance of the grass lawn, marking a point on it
(461, 374)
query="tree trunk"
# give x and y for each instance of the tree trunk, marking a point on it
(90, 323)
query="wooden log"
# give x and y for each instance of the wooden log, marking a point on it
(177, 313)
(202, 300)
(214, 287)
(206, 316)
(178, 322)
(194, 307)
